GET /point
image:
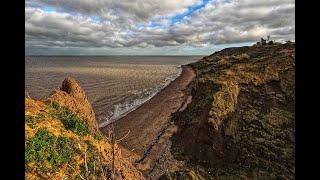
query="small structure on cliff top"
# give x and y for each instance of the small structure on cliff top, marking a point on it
(264, 42)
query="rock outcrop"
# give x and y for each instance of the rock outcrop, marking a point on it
(63, 140)
(72, 95)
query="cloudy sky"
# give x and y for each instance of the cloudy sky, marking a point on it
(152, 27)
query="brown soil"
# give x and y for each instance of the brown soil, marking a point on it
(240, 123)
(228, 116)
(148, 142)
(73, 96)
(53, 135)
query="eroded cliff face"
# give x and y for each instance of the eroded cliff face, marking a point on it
(72, 96)
(63, 139)
(241, 121)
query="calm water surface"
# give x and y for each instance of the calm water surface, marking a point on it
(114, 85)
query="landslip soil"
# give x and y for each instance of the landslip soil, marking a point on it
(147, 130)
(229, 117)
(241, 121)
(63, 140)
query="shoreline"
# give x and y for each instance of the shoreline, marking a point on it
(127, 107)
(150, 125)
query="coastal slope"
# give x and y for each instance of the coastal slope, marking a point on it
(231, 115)
(63, 140)
(149, 128)
(228, 116)
(241, 121)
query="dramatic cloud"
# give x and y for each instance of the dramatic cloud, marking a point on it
(121, 27)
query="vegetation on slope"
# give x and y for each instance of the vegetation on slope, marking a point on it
(62, 144)
(240, 124)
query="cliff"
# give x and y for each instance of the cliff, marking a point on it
(63, 140)
(241, 121)
(237, 122)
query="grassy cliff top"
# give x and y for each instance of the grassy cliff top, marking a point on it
(63, 140)
(241, 121)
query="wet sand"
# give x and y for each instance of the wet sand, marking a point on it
(147, 145)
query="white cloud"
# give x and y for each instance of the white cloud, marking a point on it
(236, 21)
(87, 24)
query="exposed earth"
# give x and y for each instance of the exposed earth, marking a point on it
(63, 140)
(231, 115)
(147, 145)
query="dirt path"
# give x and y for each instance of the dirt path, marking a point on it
(148, 145)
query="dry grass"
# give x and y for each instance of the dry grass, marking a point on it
(91, 156)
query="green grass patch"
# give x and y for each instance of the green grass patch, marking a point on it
(93, 170)
(90, 147)
(47, 151)
(98, 136)
(55, 105)
(69, 119)
(32, 120)
(94, 166)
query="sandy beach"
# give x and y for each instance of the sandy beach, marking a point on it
(147, 145)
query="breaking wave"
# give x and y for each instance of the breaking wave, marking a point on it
(136, 100)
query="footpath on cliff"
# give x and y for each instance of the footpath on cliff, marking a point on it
(148, 129)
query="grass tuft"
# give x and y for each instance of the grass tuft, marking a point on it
(47, 151)
(98, 136)
(32, 120)
(69, 119)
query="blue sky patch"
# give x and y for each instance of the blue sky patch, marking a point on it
(191, 9)
(49, 9)
(95, 18)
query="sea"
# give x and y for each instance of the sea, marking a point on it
(115, 85)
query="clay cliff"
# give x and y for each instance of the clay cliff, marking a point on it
(238, 123)
(63, 140)
(241, 121)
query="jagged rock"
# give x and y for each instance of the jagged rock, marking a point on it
(72, 95)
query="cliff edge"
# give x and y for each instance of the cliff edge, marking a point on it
(63, 140)
(241, 121)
